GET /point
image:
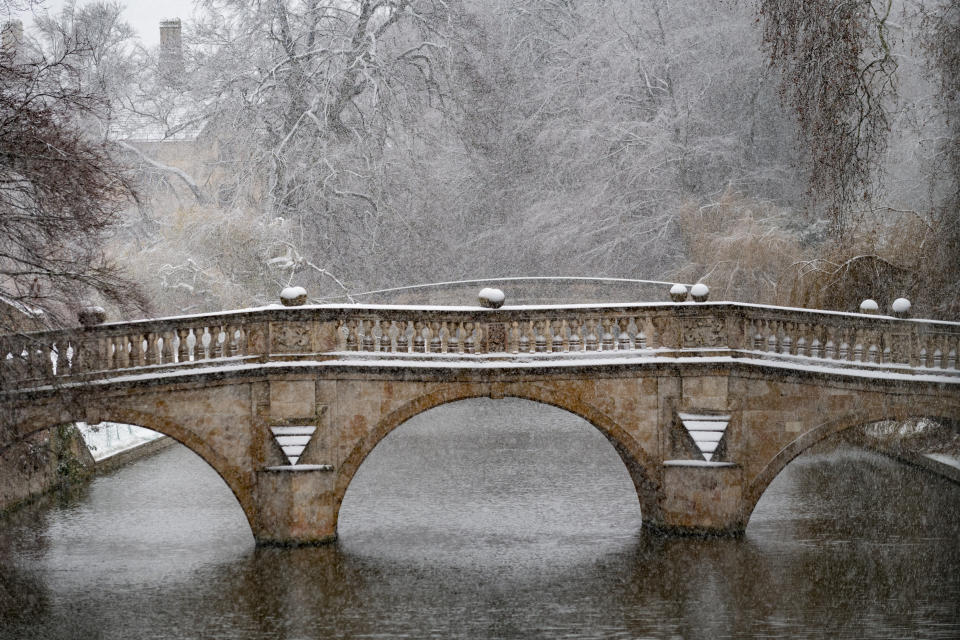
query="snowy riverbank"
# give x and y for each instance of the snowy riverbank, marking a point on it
(108, 439)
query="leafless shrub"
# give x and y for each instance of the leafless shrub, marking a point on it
(739, 247)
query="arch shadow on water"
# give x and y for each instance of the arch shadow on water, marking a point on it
(474, 481)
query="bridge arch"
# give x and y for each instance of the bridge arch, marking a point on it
(234, 478)
(755, 490)
(639, 464)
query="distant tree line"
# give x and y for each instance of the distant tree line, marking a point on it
(781, 151)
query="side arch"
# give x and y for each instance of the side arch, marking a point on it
(641, 467)
(238, 481)
(762, 480)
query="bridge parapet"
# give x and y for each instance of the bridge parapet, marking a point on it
(444, 334)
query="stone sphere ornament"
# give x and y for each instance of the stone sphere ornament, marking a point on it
(700, 292)
(293, 296)
(91, 316)
(901, 307)
(869, 306)
(678, 293)
(491, 298)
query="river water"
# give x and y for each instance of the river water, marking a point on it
(488, 519)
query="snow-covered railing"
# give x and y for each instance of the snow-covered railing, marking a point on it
(123, 346)
(444, 333)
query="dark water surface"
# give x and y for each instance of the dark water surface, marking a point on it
(488, 519)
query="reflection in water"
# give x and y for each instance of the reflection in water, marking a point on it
(488, 519)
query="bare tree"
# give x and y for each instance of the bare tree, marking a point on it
(60, 190)
(838, 75)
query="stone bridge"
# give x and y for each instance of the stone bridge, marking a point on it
(704, 402)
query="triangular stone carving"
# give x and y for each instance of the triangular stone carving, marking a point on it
(706, 431)
(293, 440)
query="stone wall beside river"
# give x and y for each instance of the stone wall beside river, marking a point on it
(48, 459)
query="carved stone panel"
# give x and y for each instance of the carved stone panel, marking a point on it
(290, 337)
(703, 332)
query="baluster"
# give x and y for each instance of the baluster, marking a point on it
(218, 333)
(469, 346)
(197, 351)
(20, 360)
(35, 357)
(51, 359)
(352, 344)
(448, 331)
(523, 341)
(816, 348)
(386, 344)
(403, 345)
(872, 354)
(183, 352)
(366, 335)
(575, 342)
(830, 350)
(453, 337)
(952, 359)
(168, 350)
(159, 346)
(937, 359)
(112, 349)
(802, 347)
(150, 353)
(419, 343)
(786, 344)
(209, 344)
(154, 351)
(639, 337)
(436, 340)
(607, 334)
(623, 338)
(556, 335)
(67, 356)
(845, 352)
(61, 352)
(137, 357)
(923, 357)
(341, 334)
(539, 338)
(59, 365)
(122, 351)
(590, 341)
(230, 346)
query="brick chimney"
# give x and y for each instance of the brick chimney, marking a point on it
(171, 49)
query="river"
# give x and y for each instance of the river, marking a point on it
(488, 519)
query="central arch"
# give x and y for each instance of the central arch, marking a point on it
(639, 464)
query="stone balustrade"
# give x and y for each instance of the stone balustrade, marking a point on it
(444, 333)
